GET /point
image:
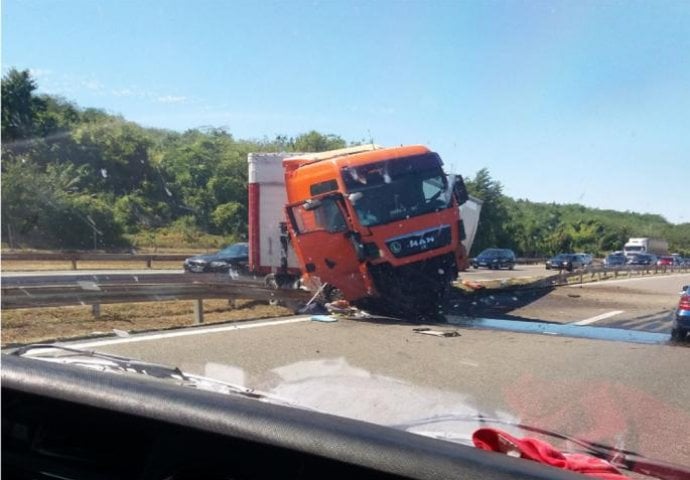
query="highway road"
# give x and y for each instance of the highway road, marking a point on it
(632, 392)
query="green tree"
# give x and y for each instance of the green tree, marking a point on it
(314, 141)
(19, 106)
(492, 230)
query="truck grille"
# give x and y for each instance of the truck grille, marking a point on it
(420, 241)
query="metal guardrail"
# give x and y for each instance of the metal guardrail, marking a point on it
(74, 257)
(603, 273)
(95, 290)
(56, 291)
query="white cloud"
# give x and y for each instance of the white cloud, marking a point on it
(172, 99)
(124, 92)
(40, 72)
(92, 84)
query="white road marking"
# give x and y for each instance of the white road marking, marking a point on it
(603, 316)
(189, 332)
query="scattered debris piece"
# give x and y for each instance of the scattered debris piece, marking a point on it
(342, 307)
(88, 285)
(573, 295)
(472, 284)
(324, 318)
(437, 333)
(120, 333)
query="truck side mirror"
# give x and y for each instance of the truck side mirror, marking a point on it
(311, 204)
(459, 190)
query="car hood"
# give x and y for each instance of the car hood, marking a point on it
(335, 386)
(213, 257)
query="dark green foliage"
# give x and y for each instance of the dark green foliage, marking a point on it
(68, 170)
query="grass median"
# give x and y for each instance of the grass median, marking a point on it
(46, 324)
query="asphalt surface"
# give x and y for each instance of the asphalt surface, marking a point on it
(629, 392)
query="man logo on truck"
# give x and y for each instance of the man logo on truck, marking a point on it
(396, 247)
(423, 243)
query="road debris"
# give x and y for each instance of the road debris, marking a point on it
(341, 307)
(436, 333)
(324, 318)
(472, 285)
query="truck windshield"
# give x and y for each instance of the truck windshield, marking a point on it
(634, 248)
(397, 189)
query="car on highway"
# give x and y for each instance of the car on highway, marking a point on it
(587, 258)
(233, 258)
(681, 316)
(665, 261)
(495, 258)
(641, 259)
(679, 261)
(565, 261)
(613, 260)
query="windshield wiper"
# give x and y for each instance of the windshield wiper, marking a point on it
(117, 364)
(120, 363)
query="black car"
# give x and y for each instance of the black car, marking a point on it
(565, 261)
(234, 257)
(641, 259)
(615, 261)
(495, 258)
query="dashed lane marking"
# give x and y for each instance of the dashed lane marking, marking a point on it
(596, 318)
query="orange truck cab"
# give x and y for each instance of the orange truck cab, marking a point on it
(380, 226)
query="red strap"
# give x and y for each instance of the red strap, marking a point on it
(532, 449)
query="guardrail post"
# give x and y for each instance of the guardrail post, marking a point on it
(198, 311)
(148, 262)
(96, 310)
(74, 263)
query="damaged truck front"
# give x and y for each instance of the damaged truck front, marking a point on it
(380, 227)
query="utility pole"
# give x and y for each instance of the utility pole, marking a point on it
(96, 232)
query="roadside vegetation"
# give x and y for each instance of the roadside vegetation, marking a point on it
(82, 178)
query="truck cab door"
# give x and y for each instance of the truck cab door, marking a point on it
(322, 240)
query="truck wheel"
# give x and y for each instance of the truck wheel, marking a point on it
(271, 282)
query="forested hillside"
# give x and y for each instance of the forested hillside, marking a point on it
(70, 174)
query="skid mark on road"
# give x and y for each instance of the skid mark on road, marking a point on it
(189, 332)
(656, 322)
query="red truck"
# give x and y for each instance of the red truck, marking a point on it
(381, 227)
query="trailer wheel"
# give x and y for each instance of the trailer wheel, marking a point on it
(271, 282)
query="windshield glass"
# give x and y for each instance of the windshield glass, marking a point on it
(237, 250)
(401, 188)
(371, 209)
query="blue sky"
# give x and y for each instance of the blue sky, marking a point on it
(563, 101)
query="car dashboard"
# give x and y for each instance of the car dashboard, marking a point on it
(67, 422)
